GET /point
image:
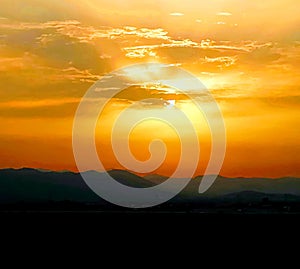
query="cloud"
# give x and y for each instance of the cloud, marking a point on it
(243, 46)
(75, 29)
(30, 63)
(150, 93)
(176, 14)
(224, 14)
(87, 33)
(65, 33)
(261, 56)
(141, 52)
(212, 56)
(57, 44)
(69, 51)
(15, 25)
(75, 74)
(206, 44)
(149, 50)
(61, 51)
(38, 103)
(8, 63)
(222, 61)
(40, 108)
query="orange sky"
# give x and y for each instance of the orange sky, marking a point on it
(247, 53)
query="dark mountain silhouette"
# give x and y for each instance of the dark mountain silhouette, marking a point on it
(265, 185)
(38, 187)
(31, 185)
(252, 196)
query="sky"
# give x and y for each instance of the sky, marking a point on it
(247, 54)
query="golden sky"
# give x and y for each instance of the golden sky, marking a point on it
(247, 53)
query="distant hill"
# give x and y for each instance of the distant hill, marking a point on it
(224, 186)
(130, 179)
(36, 186)
(252, 196)
(29, 185)
(155, 179)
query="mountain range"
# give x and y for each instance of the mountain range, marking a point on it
(39, 186)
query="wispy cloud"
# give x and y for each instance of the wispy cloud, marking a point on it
(224, 14)
(149, 50)
(8, 24)
(85, 33)
(30, 61)
(222, 61)
(207, 44)
(38, 103)
(176, 14)
(140, 52)
(149, 39)
(71, 51)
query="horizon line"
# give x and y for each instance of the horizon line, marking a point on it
(43, 170)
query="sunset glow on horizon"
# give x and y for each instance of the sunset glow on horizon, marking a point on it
(246, 53)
